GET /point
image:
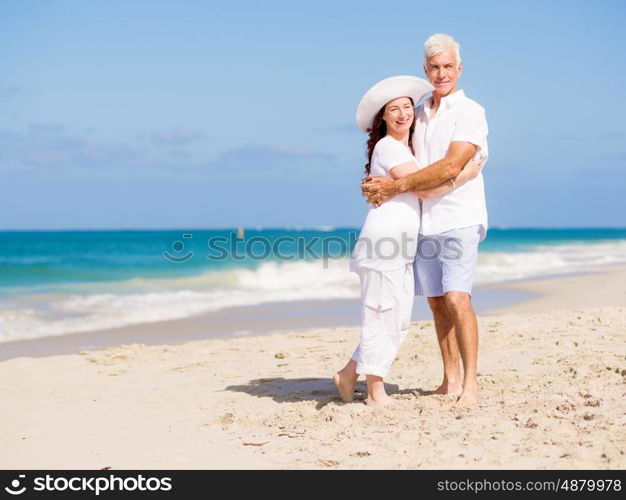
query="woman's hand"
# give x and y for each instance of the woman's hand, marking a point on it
(377, 190)
(473, 167)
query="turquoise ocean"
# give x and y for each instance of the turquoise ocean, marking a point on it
(59, 282)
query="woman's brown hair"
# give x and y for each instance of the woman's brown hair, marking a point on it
(377, 132)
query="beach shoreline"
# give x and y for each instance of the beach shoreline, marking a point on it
(597, 287)
(529, 295)
(262, 319)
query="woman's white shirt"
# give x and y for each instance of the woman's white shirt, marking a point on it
(388, 239)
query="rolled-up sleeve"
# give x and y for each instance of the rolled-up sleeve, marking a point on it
(471, 125)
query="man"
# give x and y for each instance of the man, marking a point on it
(450, 129)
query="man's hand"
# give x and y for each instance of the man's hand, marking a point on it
(378, 190)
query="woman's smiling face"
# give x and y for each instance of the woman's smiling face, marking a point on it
(399, 115)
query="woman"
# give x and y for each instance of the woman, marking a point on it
(384, 253)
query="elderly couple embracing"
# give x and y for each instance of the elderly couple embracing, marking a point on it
(426, 219)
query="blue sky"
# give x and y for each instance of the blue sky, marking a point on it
(168, 114)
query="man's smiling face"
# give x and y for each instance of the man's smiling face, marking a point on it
(443, 70)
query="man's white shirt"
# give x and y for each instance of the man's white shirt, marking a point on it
(457, 119)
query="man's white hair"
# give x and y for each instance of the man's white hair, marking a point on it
(438, 43)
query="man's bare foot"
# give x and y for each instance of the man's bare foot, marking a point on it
(469, 396)
(345, 385)
(447, 388)
(380, 401)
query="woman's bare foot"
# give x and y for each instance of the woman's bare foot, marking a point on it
(345, 380)
(376, 395)
(380, 401)
(345, 385)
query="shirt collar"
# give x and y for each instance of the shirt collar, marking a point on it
(448, 101)
(452, 99)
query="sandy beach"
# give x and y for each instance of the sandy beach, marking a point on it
(552, 374)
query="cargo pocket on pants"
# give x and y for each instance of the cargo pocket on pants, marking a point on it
(375, 331)
(379, 305)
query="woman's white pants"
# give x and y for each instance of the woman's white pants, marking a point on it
(387, 303)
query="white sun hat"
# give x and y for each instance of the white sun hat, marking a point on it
(387, 90)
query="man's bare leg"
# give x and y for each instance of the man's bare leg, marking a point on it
(460, 308)
(345, 380)
(444, 325)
